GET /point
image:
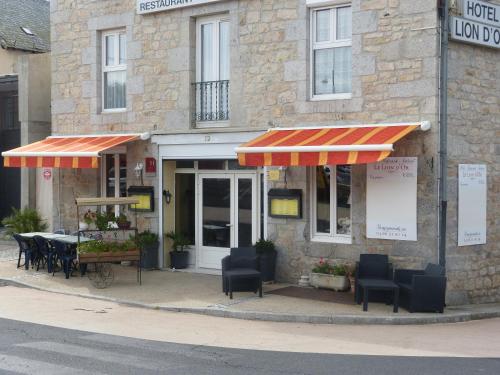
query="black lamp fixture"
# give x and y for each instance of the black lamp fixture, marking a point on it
(167, 195)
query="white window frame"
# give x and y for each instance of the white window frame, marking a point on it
(333, 236)
(332, 43)
(116, 152)
(112, 68)
(216, 21)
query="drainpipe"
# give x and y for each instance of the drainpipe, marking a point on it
(443, 132)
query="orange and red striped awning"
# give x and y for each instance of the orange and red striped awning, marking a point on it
(80, 151)
(351, 144)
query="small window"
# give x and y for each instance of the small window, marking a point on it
(114, 70)
(211, 164)
(331, 203)
(331, 52)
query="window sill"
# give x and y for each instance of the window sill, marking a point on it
(212, 124)
(114, 110)
(342, 96)
(333, 239)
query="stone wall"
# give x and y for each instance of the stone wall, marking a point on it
(474, 138)
(395, 48)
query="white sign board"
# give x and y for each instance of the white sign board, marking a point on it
(474, 32)
(151, 6)
(471, 204)
(391, 199)
(481, 11)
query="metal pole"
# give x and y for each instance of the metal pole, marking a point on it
(443, 134)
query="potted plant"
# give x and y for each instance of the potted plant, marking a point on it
(148, 243)
(104, 220)
(329, 276)
(178, 256)
(101, 251)
(88, 218)
(23, 221)
(267, 259)
(123, 222)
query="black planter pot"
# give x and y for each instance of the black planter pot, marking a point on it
(267, 263)
(150, 256)
(179, 259)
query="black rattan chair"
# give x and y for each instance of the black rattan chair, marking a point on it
(65, 256)
(372, 266)
(240, 259)
(44, 253)
(422, 290)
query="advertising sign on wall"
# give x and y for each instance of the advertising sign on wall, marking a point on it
(391, 199)
(472, 190)
(480, 23)
(151, 6)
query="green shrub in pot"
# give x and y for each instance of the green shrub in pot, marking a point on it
(23, 221)
(178, 256)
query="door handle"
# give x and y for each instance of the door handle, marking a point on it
(229, 225)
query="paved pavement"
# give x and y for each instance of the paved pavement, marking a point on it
(27, 348)
(201, 293)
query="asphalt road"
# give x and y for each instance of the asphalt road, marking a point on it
(27, 348)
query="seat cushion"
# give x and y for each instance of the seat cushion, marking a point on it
(405, 286)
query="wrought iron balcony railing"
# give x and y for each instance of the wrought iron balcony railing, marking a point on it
(212, 101)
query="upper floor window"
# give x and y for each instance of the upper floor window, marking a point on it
(212, 69)
(331, 203)
(331, 41)
(114, 70)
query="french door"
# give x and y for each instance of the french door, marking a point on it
(227, 215)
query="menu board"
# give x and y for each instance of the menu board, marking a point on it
(391, 199)
(472, 189)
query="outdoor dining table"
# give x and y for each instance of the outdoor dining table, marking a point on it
(66, 238)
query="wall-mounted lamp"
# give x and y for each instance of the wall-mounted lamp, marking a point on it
(167, 195)
(138, 171)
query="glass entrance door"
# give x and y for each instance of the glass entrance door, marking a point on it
(227, 216)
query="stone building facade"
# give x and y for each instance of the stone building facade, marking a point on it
(395, 79)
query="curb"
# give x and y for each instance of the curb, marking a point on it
(343, 319)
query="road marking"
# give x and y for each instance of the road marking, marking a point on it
(29, 367)
(99, 355)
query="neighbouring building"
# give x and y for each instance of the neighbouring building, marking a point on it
(316, 91)
(24, 97)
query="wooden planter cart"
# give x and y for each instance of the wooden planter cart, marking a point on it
(99, 270)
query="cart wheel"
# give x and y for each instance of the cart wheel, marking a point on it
(102, 275)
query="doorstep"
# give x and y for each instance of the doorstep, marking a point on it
(201, 294)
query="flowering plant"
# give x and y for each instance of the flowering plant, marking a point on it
(89, 217)
(323, 266)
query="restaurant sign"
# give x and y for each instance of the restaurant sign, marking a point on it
(391, 199)
(480, 24)
(151, 6)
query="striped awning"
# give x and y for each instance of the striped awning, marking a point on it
(78, 151)
(350, 144)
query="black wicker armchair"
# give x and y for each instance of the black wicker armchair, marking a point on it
(240, 258)
(422, 290)
(372, 266)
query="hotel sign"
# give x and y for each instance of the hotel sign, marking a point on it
(480, 24)
(151, 6)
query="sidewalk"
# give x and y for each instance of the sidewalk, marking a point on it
(200, 293)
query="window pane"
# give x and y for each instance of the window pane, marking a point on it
(223, 51)
(110, 50)
(114, 89)
(244, 212)
(184, 164)
(207, 50)
(211, 164)
(216, 212)
(344, 23)
(343, 199)
(123, 49)
(123, 175)
(342, 72)
(185, 205)
(322, 199)
(323, 71)
(323, 25)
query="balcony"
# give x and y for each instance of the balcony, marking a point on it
(212, 101)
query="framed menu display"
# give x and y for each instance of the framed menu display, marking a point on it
(472, 191)
(391, 199)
